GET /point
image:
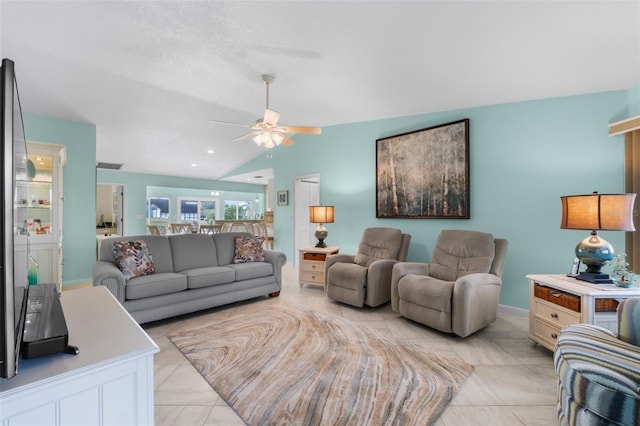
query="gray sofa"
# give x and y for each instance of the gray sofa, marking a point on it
(192, 272)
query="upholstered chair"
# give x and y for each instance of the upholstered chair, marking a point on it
(458, 291)
(599, 371)
(365, 278)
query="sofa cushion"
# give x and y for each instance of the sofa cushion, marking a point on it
(249, 249)
(206, 277)
(226, 246)
(154, 285)
(248, 271)
(378, 243)
(133, 258)
(191, 251)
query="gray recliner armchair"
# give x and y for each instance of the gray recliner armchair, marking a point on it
(365, 278)
(458, 292)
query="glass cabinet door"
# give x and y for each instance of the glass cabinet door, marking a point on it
(40, 194)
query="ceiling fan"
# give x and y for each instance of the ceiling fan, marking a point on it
(266, 131)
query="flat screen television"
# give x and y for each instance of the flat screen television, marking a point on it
(13, 218)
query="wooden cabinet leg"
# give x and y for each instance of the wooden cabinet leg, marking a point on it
(274, 294)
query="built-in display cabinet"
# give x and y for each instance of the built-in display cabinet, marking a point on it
(41, 234)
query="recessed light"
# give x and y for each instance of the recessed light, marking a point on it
(210, 151)
(194, 165)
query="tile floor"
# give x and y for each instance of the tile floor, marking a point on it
(513, 382)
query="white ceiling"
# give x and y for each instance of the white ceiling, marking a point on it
(151, 74)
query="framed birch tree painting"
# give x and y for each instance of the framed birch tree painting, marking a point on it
(424, 174)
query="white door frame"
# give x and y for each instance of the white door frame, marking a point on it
(306, 193)
(120, 216)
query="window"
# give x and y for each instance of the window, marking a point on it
(196, 209)
(158, 208)
(236, 210)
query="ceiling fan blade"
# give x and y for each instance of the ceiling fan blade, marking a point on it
(246, 135)
(271, 117)
(286, 141)
(301, 129)
(230, 123)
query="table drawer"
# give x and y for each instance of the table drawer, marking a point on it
(312, 277)
(555, 314)
(311, 266)
(557, 297)
(546, 333)
(319, 257)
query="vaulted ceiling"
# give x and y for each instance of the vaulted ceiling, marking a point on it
(151, 74)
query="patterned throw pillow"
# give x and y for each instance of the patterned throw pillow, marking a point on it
(133, 258)
(249, 249)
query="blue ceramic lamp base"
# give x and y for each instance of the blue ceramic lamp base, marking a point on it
(594, 252)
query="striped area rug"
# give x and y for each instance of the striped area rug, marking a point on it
(296, 366)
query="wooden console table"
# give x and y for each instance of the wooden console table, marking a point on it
(556, 301)
(110, 382)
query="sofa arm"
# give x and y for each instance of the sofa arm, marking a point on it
(109, 275)
(475, 302)
(401, 269)
(277, 259)
(599, 374)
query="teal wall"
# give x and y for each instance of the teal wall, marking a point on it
(79, 207)
(136, 192)
(523, 157)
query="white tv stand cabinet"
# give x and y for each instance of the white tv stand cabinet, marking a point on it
(110, 382)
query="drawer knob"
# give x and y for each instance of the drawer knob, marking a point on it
(313, 266)
(554, 315)
(554, 336)
(313, 277)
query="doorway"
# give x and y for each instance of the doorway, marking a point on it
(306, 193)
(110, 208)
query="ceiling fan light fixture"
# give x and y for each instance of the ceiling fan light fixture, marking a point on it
(277, 138)
(266, 131)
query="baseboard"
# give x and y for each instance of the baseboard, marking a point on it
(513, 311)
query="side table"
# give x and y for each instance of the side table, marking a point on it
(311, 270)
(556, 301)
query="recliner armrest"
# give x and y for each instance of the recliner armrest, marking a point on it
(475, 302)
(335, 258)
(399, 270)
(469, 283)
(379, 281)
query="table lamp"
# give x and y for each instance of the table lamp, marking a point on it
(597, 212)
(321, 215)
